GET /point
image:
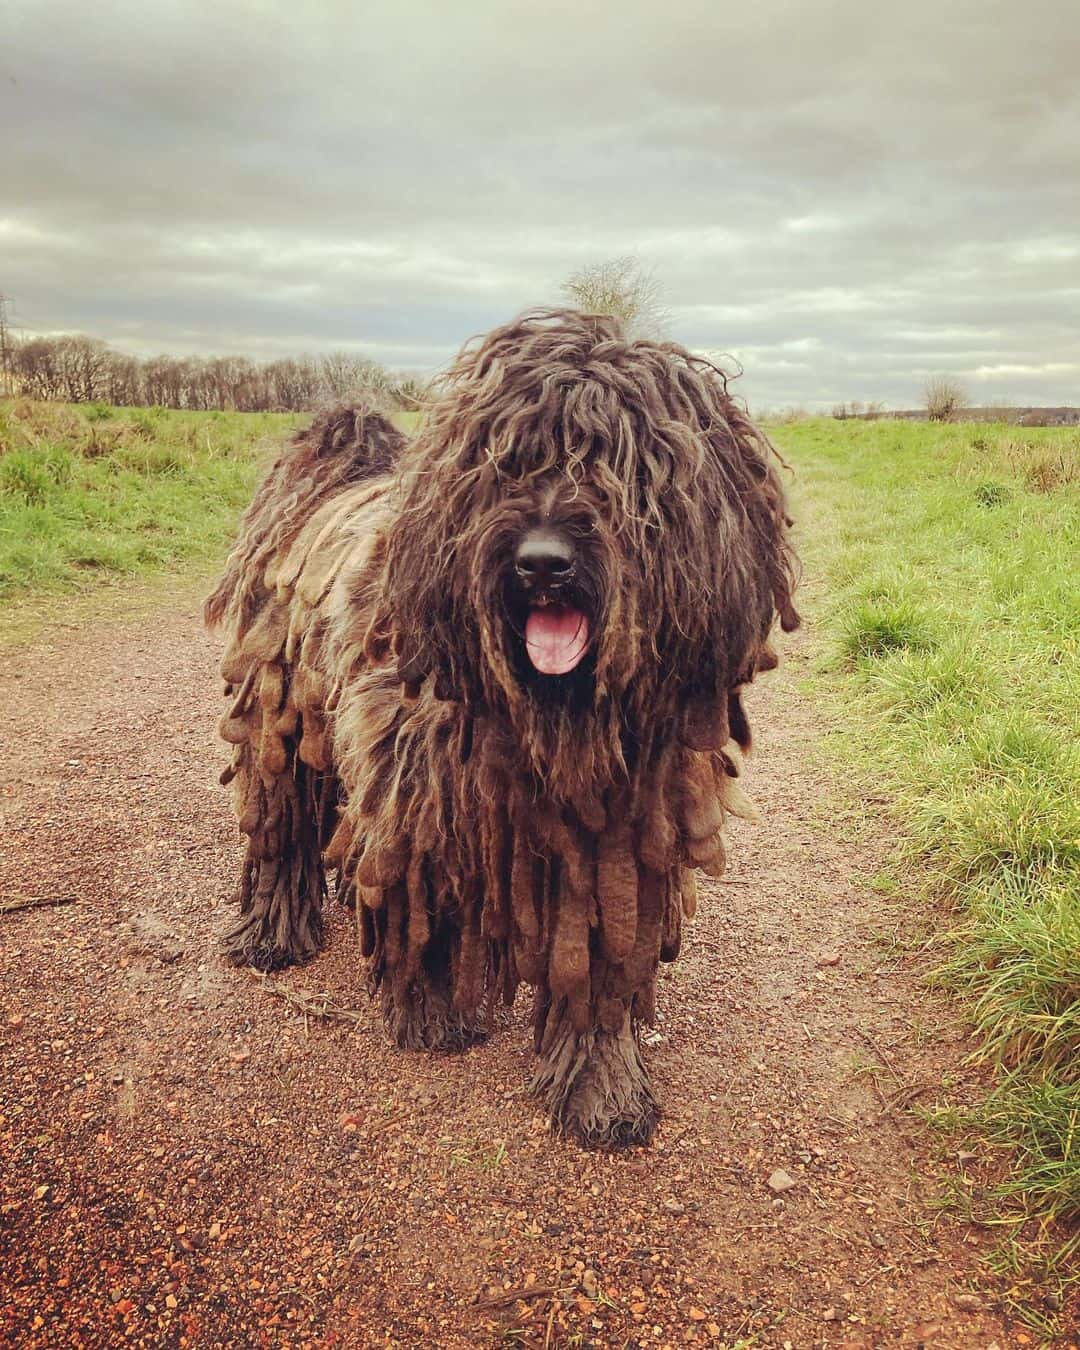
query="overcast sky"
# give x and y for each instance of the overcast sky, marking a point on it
(848, 197)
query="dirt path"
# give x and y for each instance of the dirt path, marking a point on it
(188, 1160)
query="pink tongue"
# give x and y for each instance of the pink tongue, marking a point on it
(556, 637)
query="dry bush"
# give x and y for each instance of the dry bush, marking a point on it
(412, 393)
(945, 398)
(622, 288)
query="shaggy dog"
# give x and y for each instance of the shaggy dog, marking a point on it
(491, 678)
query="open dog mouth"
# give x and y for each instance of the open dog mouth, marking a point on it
(556, 636)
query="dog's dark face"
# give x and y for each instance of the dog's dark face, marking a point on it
(547, 568)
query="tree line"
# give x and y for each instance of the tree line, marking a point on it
(77, 369)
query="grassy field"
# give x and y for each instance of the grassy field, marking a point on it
(941, 563)
(91, 491)
(943, 569)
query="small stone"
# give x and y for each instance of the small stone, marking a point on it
(215, 1232)
(590, 1284)
(832, 959)
(356, 1243)
(696, 1315)
(966, 1156)
(967, 1302)
(15, 1020)
(876, 1240)
(170, 1301)
(830, 1315)
(781, 1181)
(674, 1207)
(1054, 1302)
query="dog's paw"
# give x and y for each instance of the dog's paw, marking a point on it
(248, 945)
(596, 1087)
(606, 1116)
(264, 957)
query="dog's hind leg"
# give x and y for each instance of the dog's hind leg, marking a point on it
(421, 1013)
(283, 884)
(286, 801)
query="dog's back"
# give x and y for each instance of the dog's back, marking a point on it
(317, 509)
(339, 450)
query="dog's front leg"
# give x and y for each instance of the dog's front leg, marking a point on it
(593, 1079)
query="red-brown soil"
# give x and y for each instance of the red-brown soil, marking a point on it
(187, 1159)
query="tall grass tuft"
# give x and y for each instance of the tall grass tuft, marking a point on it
(870, 630)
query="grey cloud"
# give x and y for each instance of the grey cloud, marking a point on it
(846, 195)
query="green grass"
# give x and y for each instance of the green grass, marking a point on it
(91, 492)
(943, 574)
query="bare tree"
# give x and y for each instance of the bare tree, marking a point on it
(346, 377)
(293, 385)
(945, 398)
(7, 367)
(81, 364)
(163, 381)
(37, 369)
(123, 380)
(621, 287)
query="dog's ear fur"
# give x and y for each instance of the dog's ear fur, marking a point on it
(428, 640)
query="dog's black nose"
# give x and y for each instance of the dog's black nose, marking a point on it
(544, 558)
